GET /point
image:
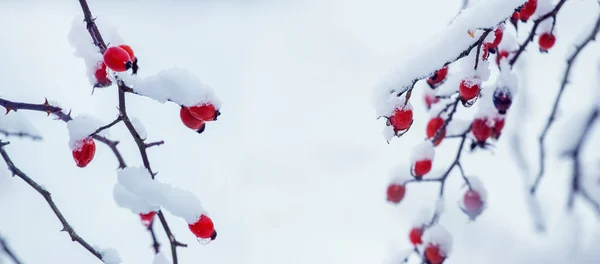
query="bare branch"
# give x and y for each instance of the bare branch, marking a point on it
(9, 252)
(563, 85)
(155, 244)
(152, 144)
(536, 23)
(102, 128)
(20, 134)
(47, 196)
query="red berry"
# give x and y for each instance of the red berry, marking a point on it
(203, 228)
(395, 193)
(438, 77)
(514, 19)
(129, 51)
(415, 236)
(481, 130)
(473, 204)
(401, 119)
(433, 126)
(546, 41)
(204, 112)
(528, 10)
(147, 218)
(469, 89)
(434, 255)
(101, 75)
(430, 99)
(501, 55)
(189, 120)
(498, 126)
(421, 168)
(117, 59)
(84, 153)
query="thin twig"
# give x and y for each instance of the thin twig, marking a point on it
(102, 128)
(552, 117)
(14, 106)
(155, 244)
(8, 251)
(152, 144)
(20, 134)
(483, 36)
(47, 196)
(536, 23)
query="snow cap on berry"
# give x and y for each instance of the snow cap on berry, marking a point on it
(128, 200)
(178, 85)
(422, 151)
(468, 71)
(477, 186)
(177, 201)
(81, 127)
(386, 104)
(438, 235)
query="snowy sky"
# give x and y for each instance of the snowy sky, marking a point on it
(296, 168)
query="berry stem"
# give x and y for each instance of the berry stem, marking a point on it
(536, 23)
(155, 244)
(47, 196)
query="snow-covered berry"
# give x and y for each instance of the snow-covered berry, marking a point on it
(205, 112)
(416, 236)
(546, 41)
(101, 76)
(498, 126)
(433, 126)
(395, 193)
(147, 218)
(84, 152)
(469, 90)
(481, 130)
(434, 255)
(117, 59)
(401, 119)
(203, 228)
(438, 77)
(527, 10)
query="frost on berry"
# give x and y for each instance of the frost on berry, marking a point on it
(474, 199)
(438, 244)
(421, 159)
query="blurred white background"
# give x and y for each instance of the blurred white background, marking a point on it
(296, 168)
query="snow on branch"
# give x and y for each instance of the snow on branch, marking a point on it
(47, 196)
(17, 125)
(443, 48)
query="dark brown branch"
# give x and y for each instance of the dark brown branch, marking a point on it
(483, 36)
(4, 247)
(14, 106)
(552, 117)
(47, 196)
(111, 124)
(155, 244)
(575, 155)
(536, 23)
(152, 144)
(97, 37)
(20, 134)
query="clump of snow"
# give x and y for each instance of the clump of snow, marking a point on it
(439, 206)
(422, 151)
(457, 126)
(126, 199)
(442, 48)
(543, 7)
(400, 174)
(422, 217)
(545, 27)
(509, 40)
(82, 42)
(177, 201)
(110, 256)
(177, 85)
(160, 259)
(17, 123)
(508, 79)
(140, 128)
(388, 102)
(388, 133)
(126, 77)
(81, 127)
(438, 235)
(471, 75)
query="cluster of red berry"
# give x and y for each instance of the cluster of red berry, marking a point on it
(547, 39)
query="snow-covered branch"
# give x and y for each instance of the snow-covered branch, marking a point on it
(47, 196)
